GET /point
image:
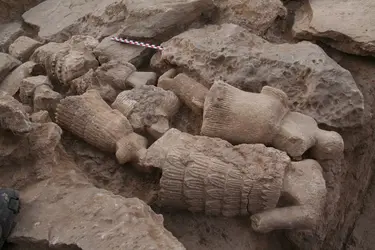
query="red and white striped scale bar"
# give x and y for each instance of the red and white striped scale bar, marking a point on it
(117, 39)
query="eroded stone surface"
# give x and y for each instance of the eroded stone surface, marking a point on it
(108, 50)
(255, 15)
(59, 20)
(315, 84)
(148, 108)
(8, 33)
(12, 82)
(23, 47)
(68, 211)
(7, 64)
(160, 19)
(346, 25)
(13, 9)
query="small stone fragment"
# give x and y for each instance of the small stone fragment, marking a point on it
(7, 64)
(23, 47)
(46, 99)
(41, 117)
(12, 82)
(8, 33)
(13, 116)
(315, 84)
(109, 50)
(29, 85)
(138, 79)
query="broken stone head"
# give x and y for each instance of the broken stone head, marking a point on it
(148, 109)
(203, 174)
(89, 117)
(69, 60)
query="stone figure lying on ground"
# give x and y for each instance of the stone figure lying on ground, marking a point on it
(245, 117)
(89, 117)
(203, 174)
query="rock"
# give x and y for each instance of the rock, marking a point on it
(109, 80)
(41, 117)
(12, 82)
(58, 22)
(90, 81)
(23, 47)
(256, 15)
(344, 25)
(115, 73)
(13, 9)
(7, 64)
(315, 84)
(8, 33)
(29, 85)
(46, 99)
(109, 50)
(67, 61)
(148, 108)
(69, 212)
(138, 79)
(161, 19)
(13, 116)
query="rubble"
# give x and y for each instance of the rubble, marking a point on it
(344, 25)
(57, 22)
(256, 15)
(8, 33)
(7, 64)
(23, 47)
(12, 82)
(108, 50)
(161, 19)
(233, 119)
(315, 84)
(148, 108)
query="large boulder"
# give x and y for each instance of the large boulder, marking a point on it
(160, 19)
(58, 20)
(347, 25)
(69, 212)
(255, 15)
(315, 84)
